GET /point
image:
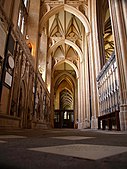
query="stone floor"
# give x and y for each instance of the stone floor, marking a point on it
(63, 149)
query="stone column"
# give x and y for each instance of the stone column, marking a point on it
(76, 103)
(49, 73)
(79, 105)
(85, 83)
(48, 58)
(82, 89)
(93, 85)
(124, 5)
(87, 86)
(15, 13)
(120, 38)
(42, 59)
(33, 27)
(52, 103)
(93, 59)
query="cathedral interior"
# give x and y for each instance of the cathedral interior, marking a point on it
(63, 64)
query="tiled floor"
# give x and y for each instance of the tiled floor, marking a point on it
(87, 151)
(63, 149)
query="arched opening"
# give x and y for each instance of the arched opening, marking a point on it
(108, 83)
(69, 9)
(64, 32)
(105, 35)
(64, 102)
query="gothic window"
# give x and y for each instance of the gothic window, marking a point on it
(23, 15)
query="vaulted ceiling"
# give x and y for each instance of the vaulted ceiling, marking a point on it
(66, 100)
(65, 34)
(62, 26)
(108, 36)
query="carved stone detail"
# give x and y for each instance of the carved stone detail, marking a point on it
(24, 46)
(4, 20)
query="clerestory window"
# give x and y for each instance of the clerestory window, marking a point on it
(23, 15)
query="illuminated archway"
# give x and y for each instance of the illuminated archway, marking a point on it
(69, 9)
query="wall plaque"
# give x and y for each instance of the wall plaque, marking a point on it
(11, 62)
(8, 79)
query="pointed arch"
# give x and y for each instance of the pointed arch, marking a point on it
(69, 9)
(68, 42)
(63, 75)
(68, 62)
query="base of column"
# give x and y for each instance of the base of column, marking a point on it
(94, 122)
(80, 125)
(123, 117)
(84, 125)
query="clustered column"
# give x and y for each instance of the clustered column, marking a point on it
(120, 37)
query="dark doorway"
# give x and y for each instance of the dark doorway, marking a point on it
(64, 119)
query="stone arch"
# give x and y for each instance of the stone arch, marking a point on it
(69, 9)
(68, 42)
(66, 89)
(70, 63)
(104, 31)
(67, 74)
(58, 92)
(69, 78)
(59, 78)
